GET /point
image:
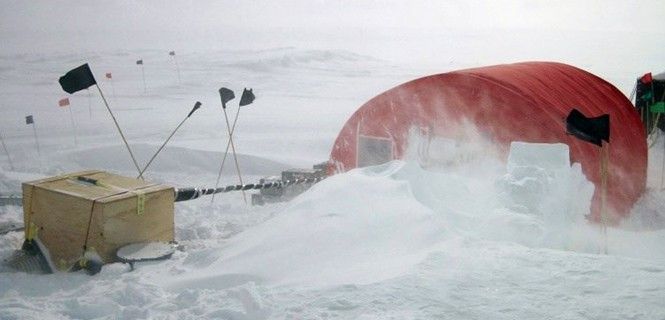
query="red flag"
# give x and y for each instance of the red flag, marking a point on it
(63, 102)
(646, 78)
(109, 76)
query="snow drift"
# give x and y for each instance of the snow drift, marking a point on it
(376, 223)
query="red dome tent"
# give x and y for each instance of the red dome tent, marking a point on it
(515, 102)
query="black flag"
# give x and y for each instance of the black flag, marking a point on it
(197, 105)
(77, 79)
(139, 61)
(593, 130)
(247, 97)
(227, 95)
(29, 120)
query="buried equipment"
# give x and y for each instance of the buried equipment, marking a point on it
(86, 219)
(184, 194)
(79, 220)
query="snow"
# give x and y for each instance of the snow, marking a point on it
(459, 234)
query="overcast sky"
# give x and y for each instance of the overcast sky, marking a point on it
(599, 35)
(83, 24)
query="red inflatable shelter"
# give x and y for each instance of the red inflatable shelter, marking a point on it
(515, 102)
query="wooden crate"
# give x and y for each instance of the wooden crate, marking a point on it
(68, 215)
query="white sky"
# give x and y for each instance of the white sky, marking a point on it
(82, 24)
(615, 39)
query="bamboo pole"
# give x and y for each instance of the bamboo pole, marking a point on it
(604, 162)
(9, 158)
(119, 130)
(196, 106)
(71, 117)
(230, 143)
(145, 87)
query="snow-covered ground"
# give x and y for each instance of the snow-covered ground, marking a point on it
(478, 239)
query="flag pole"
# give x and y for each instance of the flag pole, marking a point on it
(145, 90)
(233, 148)
(226, 151)
(115, 99)
(34, 130)
(177, 68)
(219, 174)
(89, 103)
(71, 116)
(119, 130)
(11, 165)
(604, 159)
(649, 103)
(662, 170)
(196, 106)
(595, 130)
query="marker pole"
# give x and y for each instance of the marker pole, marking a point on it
(119, 130)
(9, 158)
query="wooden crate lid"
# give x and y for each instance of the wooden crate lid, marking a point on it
(108, 184)
(134, 192)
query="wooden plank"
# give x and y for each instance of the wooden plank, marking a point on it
(62, 222)
(122, 225)
(109, 184)
(27, 206)
(120, 181)
(60, 177)
(73, 187)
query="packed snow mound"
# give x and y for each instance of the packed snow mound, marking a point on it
(171, 159)
(174, 165)
(359, 227)
(377, 223)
